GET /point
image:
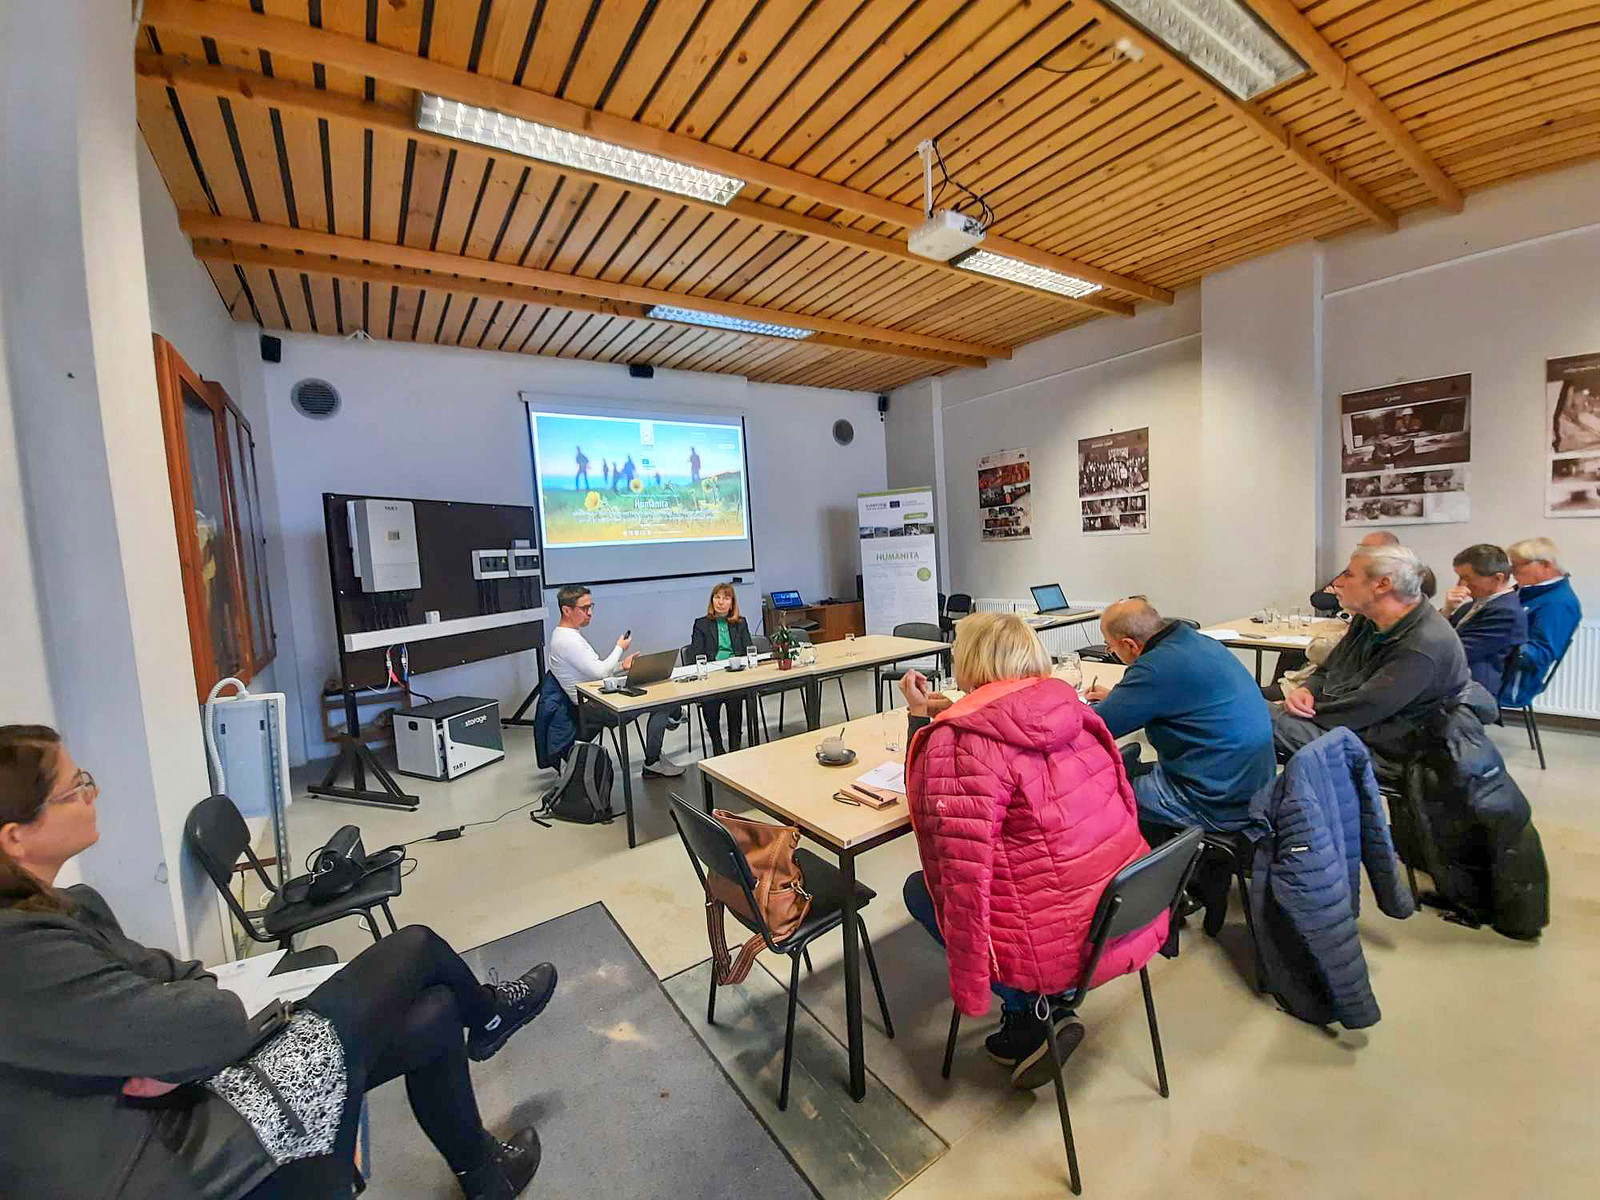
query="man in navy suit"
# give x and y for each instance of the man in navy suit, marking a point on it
(1545, 591)
(1486, 614)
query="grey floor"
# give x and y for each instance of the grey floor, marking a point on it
(1479, 1081)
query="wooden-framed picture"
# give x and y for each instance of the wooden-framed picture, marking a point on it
(216, 504)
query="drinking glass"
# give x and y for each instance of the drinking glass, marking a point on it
(1072, 671)
(894, 724)
(701, 671)
(752, 657)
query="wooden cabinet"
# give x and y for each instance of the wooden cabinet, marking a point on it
(834, 621)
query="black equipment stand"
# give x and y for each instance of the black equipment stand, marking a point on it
(354, 754)
(531, 699)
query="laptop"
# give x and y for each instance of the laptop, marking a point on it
(648, 669)
(783, 600)
(1052, 604)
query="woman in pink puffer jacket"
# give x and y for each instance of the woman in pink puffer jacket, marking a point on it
(1023, 813)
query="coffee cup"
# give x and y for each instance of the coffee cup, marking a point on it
(833, 750)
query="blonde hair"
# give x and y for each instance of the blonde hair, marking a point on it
(733, 598)
(1536, 549)
(991, 646)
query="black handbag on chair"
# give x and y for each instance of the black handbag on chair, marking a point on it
(338, 866)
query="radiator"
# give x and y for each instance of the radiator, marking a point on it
(1575, 690)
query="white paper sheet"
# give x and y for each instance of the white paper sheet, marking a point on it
(889, 777)
(251, 979)
(1222, 635)
(1292, 639)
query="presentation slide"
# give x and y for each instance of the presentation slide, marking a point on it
(626, 494)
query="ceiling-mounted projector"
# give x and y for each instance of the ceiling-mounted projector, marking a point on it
(944, 235)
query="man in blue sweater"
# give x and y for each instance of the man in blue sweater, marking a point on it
(1553, 616)
(1201, 710)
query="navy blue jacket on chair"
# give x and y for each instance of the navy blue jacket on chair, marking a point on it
(1491, 632)
(1553, 615)
(1314, 827)
(555, 722)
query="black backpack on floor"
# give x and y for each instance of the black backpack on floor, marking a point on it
(582, 792)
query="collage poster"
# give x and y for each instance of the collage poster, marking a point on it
(1572, 432)
(1005, 495)
(1406, 451)
(1114, 482)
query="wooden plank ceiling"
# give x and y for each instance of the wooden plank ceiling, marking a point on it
(283, 129)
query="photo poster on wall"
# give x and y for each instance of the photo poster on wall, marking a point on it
(899, 565)
(1114, 482)
(1572, 434)
(1005, 496)
(1406, 451)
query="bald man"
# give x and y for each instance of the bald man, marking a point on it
(1201, 710)
(1323, 599)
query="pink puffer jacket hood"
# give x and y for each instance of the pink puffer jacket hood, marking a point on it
(1023, 813)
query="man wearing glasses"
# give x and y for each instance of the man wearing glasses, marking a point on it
(573, 661)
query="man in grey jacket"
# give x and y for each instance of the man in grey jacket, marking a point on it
(1398, 664)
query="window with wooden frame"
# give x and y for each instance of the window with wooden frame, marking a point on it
(216, 502)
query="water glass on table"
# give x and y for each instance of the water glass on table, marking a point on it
(701, 670)
(894, 727)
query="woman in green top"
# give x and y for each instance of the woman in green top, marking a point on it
(722, 633)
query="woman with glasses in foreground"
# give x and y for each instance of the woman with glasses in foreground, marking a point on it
(126, 1073)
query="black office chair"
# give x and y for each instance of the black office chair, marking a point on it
(217, 835)
(1530, 721)
(1134, 897)
(712, 848)
(892, 675)
(952, 609)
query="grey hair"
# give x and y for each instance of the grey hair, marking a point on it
(1536, 549)
(1402, 566)
(1134, 618)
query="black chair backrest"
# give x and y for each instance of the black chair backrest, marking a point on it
(1139, 893)
(763, 645)
(925, 630)
(686, 655)
(712, 849)
(217, 835)
(959, 602)
(1189, 621)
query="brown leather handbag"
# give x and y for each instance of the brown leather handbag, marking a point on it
(780, 892)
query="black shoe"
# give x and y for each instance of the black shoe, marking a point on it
(515, 1004)
(1035, 1070)
(510, 1168)
(1019, 1034)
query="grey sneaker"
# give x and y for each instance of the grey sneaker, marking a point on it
(664, 768)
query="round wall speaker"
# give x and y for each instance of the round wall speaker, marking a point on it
(315, 398)
(843, 432)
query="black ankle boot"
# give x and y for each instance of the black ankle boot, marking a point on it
(508, 1171)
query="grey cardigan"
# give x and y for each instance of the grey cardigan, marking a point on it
(82, 1008)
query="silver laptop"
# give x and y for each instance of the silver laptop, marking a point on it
(650, 668)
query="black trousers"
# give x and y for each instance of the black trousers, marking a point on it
(400, 1008)
(735, 709)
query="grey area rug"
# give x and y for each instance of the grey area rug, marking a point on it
(627, 1100)
(848, 1151)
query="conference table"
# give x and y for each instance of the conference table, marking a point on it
(785, 780)
(833, 659)
(1280, 636)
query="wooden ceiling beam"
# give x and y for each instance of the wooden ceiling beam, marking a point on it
(237, 85)
(1290, 24)
(239, 26)
(1266, 128)
(455, 272)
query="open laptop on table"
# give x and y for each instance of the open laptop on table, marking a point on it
(648, 669)
(1052, 604)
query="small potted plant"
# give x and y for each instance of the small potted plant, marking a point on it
(785, 642)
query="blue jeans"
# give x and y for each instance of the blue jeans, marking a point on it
(921, 906)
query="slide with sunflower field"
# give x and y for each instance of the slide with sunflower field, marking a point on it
(609, 481)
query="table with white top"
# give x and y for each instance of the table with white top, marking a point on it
(1279, 636)
(786, 780)
(832, 659)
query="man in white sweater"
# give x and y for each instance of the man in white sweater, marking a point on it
(573, 661)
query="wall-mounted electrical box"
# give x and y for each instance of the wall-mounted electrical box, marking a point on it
(491, 564)
(524, 562)
(383, 543)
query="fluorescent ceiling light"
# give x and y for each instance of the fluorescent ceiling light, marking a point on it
(487, 127)
(986, 262)
(1220, 38)
(689, 316)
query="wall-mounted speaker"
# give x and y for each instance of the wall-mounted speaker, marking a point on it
(883, 407)
(271, 348)
(641, 370)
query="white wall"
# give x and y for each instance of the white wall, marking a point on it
(1243, 413)
(446, 423)
(1495, 291)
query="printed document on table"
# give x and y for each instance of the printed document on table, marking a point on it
(890, 777)
(1222, 635)
(252, 980)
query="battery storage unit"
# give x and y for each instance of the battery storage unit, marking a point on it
(446, 739)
